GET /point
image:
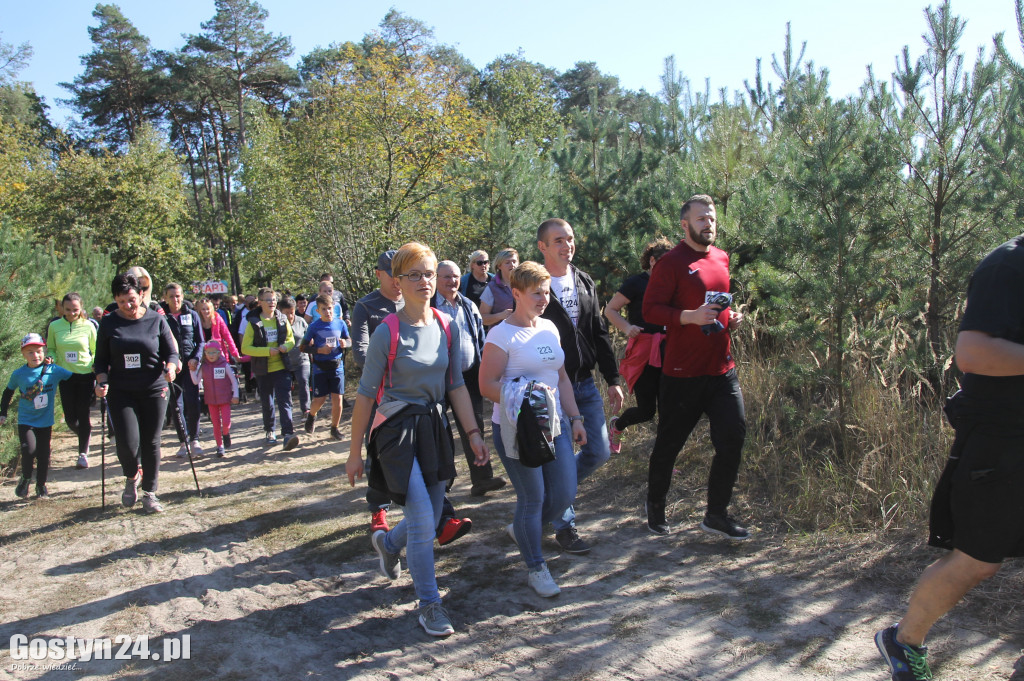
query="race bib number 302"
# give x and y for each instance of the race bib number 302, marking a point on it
(133, 361)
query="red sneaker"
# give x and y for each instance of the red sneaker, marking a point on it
(453, 529)
(614, 436)
(379, 520)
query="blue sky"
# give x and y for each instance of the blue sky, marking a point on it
(717, 40)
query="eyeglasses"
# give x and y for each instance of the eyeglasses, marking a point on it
(481, 263)
(416, 276)
(272, 301)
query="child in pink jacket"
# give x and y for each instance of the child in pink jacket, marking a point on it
(220, 390)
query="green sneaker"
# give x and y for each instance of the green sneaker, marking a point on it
(907, 663)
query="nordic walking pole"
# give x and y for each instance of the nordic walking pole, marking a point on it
(103, 451)
(188, 446)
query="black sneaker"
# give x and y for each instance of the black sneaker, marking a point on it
(335, 433)
(290, 442)
(309, 425)
(227, 440)
(569, 540)
(484, 486)
(656, 522)
(21, 491)
(41, 492)
(725, 526)
(906, 662)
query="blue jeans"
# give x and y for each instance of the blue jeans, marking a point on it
(542, 494)
(596, 452)
(276, 387)
(422, 512)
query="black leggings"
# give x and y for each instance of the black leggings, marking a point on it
(138, 417)
(35, 447)
(76, 394)
(646, 392)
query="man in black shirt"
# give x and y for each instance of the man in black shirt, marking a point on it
(978, 508)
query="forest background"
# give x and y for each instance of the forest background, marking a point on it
(853, 223)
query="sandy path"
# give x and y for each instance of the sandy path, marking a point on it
(270, 575)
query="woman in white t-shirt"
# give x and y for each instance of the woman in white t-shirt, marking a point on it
(526, 345)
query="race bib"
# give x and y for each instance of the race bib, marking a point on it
(133, 361)
(272, 336)
(186, 319)
(331, 341)
(41, 400)
(71, 356)
(546, 352)
(219, 372)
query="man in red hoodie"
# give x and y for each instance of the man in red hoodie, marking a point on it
(688, 293)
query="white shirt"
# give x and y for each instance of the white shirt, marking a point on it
(564, 288)
(534, 352)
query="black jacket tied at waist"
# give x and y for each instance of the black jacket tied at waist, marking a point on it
(417, 432)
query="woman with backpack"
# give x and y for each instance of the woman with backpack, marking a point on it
(411, 435)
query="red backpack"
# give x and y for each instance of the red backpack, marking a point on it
(392, 323)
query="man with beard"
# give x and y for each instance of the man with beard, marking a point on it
(685, 294)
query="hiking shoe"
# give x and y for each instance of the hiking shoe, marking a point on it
(220, 452)
(335, 433)
(511, 532)
(21, 491)
(906, 662)
(150, 504)
(541, 581)
(309, 425)
(197, 449)
(227, 440)
(434, 620)
(290, 442)
(83, 461)
(724, 526)
(131, 490)
(484, 486)
(569, 540)
(271, 437)
(41, 492)
(614, 436)
(379, 520)
(182, 451)
(452, 529)
(656, 522)
(390, 567)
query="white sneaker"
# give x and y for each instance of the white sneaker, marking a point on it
(83, 461)
(540, 580)
(197, 449)
(182, 451)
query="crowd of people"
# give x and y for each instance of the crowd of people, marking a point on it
(432, 343)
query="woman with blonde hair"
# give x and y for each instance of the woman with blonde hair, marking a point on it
(526, 346)
(411, 435)
(496, 302)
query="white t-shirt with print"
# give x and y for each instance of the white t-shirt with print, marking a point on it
(534, 352)
(564, 288)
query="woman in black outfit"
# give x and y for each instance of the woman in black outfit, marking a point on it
(641, 367)
(136, 353)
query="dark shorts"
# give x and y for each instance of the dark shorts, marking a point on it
(987, 494)
(328, 384)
